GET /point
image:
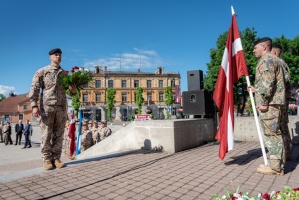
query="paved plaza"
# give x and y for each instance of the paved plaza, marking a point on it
(193, 174)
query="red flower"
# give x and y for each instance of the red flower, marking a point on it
(73, 70)
(66, 73)
(75, 67)
(266, 196)
(296, 189)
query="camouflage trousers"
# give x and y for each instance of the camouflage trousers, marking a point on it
(285, 131)
(53, 119)
(271, 122)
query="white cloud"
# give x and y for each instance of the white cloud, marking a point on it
(5, 90)
(127, 61)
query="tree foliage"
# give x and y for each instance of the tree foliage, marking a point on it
(110, 97)
(2, 97)
(139, 99)
(168, 95)
(76, 102)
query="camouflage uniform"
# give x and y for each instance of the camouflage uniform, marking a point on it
(52, 109)
(1, 132)
(86, 140)
(7, 133)
(270, 90)
(95, 134)
(285, 119)
(104, 132)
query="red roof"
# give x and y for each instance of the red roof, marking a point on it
(10, 104)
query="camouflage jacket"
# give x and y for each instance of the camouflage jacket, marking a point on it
(86, 140)
(47, 79)
(270, 81)
(287, 78)
(104, 132)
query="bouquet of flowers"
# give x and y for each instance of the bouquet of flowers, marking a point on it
(78, 76)
(287, 194)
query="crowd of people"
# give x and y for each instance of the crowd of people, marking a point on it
(91, 134)
(20, 129)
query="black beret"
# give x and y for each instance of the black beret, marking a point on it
(56, 50)
(276, 46)
(264, 39)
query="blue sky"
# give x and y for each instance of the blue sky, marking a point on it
(175, 34)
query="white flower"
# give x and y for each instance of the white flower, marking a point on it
(81, 69)
(87, 70)
(223, 197)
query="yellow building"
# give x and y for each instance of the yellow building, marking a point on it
(93, 96)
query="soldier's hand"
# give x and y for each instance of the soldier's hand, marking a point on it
(252, 89)
(35, 112)
(73, 88)
(263, 108)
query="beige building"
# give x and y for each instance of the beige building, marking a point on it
(93, 96)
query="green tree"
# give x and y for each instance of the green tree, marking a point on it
(168, 98)
(139, 99)
(76, 102)
(2, 97)
(110, 95)
(290, 54)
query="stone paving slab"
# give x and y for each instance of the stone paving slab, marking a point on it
(193, 174)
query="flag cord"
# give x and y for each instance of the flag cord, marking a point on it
(257, 123)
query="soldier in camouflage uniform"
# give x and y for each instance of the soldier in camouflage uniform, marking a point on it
(48, 91)
(104, 131)
(276, 50)
(86, 137)
(270, 100)
(95, 132)
(1, 132)
(7, 133)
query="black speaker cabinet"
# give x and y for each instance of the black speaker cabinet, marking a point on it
(198, 102)
(195, 80)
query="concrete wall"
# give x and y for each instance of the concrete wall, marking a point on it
(167, 135)
(245, 129)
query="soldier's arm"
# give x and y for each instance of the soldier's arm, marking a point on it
(35, 88)
(268, 72)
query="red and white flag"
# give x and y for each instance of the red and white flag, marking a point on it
(232, 67)
(71, 134)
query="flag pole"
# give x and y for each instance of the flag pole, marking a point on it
(257, 122)
(78, 146)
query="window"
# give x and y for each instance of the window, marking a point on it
(173, 111)
(161, 97)
(98, 97)
(110, 83)
(123, 97)
(172, 83)
(173, 97)
(123, 83)
(85, 97)
(85, 85)
(20, 116)
(149, 96)
(149, 83)
(136, 83)
(160, 83)
(24, 107)
(98, 83)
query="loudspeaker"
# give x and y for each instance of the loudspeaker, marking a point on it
(198, 102)
(195, 80)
